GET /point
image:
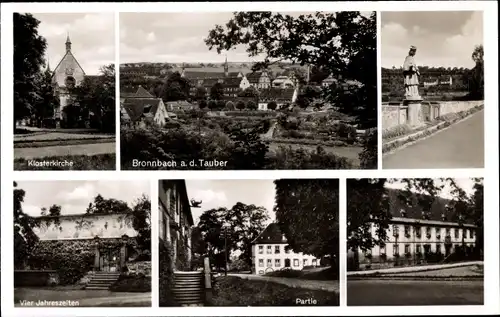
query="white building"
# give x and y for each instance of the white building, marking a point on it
(414, 236)
(270, 253)
(283, 82)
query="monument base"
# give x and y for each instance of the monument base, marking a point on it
(414, 104)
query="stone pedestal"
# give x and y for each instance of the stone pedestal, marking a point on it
(414, 110)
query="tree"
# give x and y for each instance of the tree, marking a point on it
(202, 104)
(24, 237)
(313, 39)
(29, 50)
(217, 92)
(44, 101)
(249, 151)
(175, 88)
(307, 213)
(212, 104)
(230, 105)
(221, 104)
(141, 222)
(249, 92)
(369, 155)
(272, 105)
(102, 206)
(251, 105)
(95, 97)
(201, 93)
(240, 105)
(244, 223)
(477, 89)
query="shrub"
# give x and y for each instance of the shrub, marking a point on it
(230, 105)
(288, 158)
(272, 105)
(221, 104)
(240, 105)
(202, 104)
(369, 155)
(132, 283)
(252, 105)
(212, 104)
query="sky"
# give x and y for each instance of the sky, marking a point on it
(175, 37)
(75, 196)
(443, 38)
(92, 36)
(465, 183)
(226, 193)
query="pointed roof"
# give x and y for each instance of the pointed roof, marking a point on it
(68, 41)
(139, 107)
(68, 55)
(271, 235)
(143, 93)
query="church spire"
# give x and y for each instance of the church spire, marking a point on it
(48, 64)
(68, 44)
(226, 68)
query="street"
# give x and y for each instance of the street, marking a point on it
(373, 292)
(459, 146)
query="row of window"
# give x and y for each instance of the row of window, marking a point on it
(428, 231)
(277, 249)
(278, 263)
(418, 248)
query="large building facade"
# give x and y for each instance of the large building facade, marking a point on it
(176, 221)
(270, 252)
(67, 75)
(111, 237)
(415, 237)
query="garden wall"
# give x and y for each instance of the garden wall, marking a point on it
(393, 115)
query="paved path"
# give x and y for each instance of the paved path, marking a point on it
(459, 146)
(64, 150)
(329, 286)
(269, 134)
(390, 292)
(454, 271)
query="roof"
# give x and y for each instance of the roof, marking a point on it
(141, 92)
(415, 212)
(206, 75)
(271, 235)
(68, 55)
(281, 79)
(232, 82)
(138, 107)
(254, 77)
(279, 94)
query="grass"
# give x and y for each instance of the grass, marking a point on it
(136, 283)
(138, 304)
(234, 291)
(60, 142)
(80, 162)
(349, 152)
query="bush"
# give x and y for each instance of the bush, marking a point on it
(272, 105)
(212, 104)
(132, 283)
(230, 105)
(252, 105)
(221, 104)
(240, 105)
(202, 104)
(369, 156)
(288, 158)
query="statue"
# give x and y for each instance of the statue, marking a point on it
(196, 204)
(411, 73)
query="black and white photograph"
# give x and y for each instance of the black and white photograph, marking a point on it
(82, 244)
(249, 242)
(64, 91)
(248, 90)
(432, 89)
(415, 242)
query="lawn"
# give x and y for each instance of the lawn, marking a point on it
(61, 142)
(320, 274)
(80, 162)
(56, 293)
(235, 291)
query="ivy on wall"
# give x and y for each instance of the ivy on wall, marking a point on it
(166, 278)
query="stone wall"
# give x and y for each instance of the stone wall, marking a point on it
(393, 115)
(457, 106)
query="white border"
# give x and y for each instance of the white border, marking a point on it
(490, 173)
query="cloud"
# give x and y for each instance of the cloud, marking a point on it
(210, 196)
(32, 210)
(443, 39)
(84, 192)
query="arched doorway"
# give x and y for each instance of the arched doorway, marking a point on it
(288, 263)
(109, 260)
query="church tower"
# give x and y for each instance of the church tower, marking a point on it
(68, 44)
(226, 68)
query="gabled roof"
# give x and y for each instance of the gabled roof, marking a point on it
(271, 235)
(254, 77)
(415, 212)
(68, 55)
(138, 107)
(232, 82)
(143, 93)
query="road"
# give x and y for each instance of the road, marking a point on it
(372, 292)
(64, 150)
(329, 286)
(459, 146)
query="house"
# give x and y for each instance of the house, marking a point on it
(259, 80)
(283, 82)
(270, 253)
(141, 112)
(110, 237)
(415, 235)
(280, 96)
(175, 219)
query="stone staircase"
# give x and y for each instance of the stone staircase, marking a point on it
(102, 280)
(188, 288)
